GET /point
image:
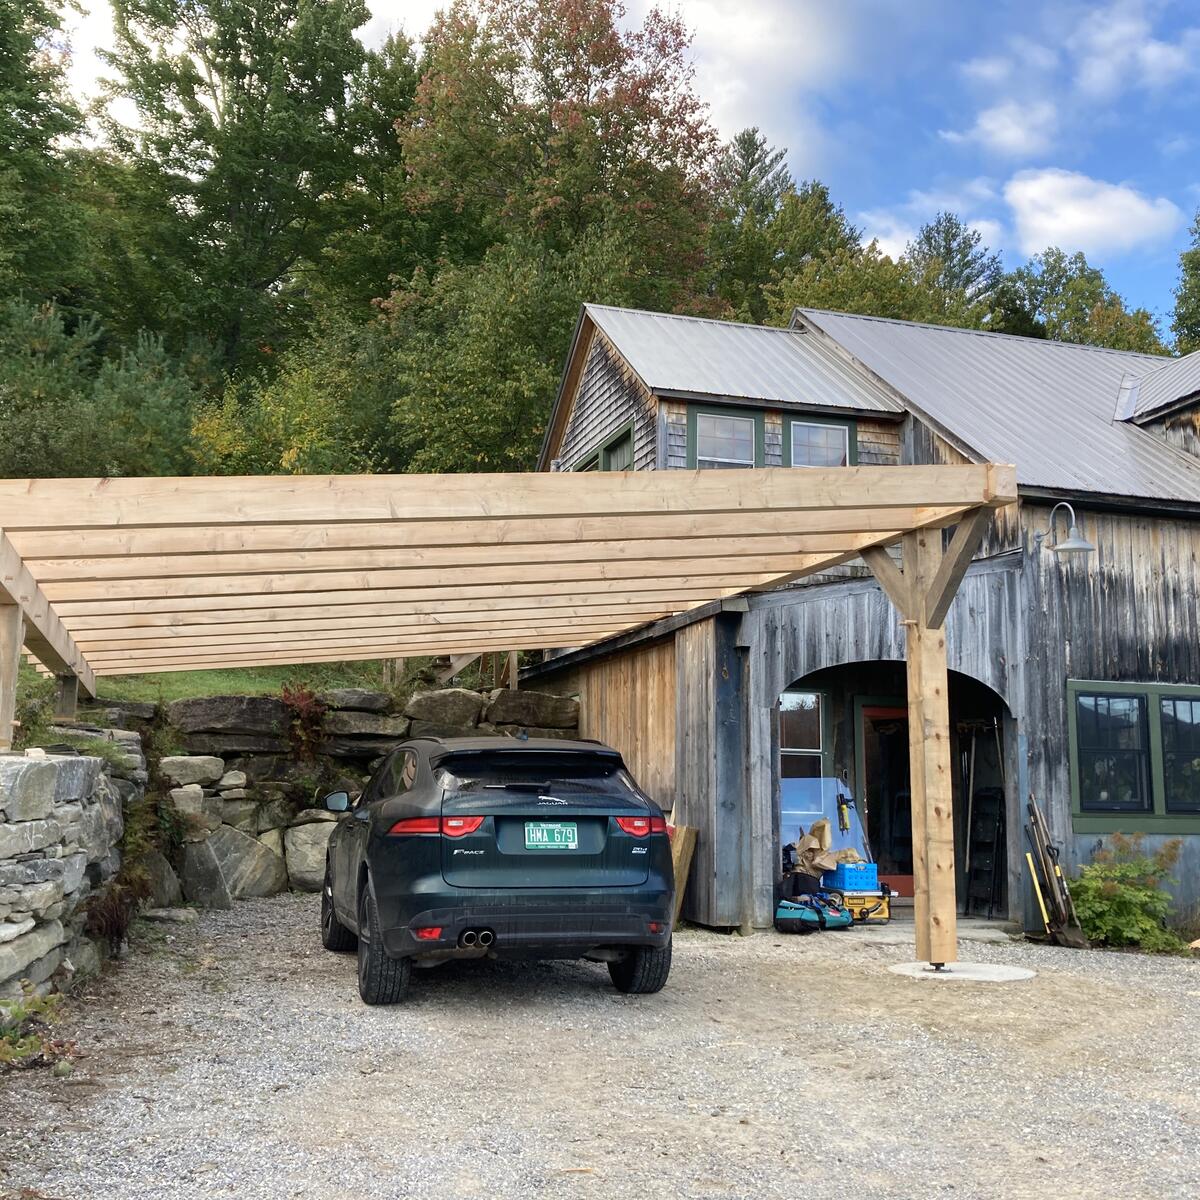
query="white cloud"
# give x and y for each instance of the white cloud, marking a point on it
(1053, 207)
(895, 227)
(991, 69)
(1114, 49)
(1012, 129)
(891, 231)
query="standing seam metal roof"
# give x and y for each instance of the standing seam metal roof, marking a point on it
(1167, 385)
(702, 357)
(1046, 406)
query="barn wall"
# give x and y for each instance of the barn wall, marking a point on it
(1127, 614)
(628, 702)
(1180, 429)
(609, 397)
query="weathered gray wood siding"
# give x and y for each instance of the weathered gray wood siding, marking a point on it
(1181, 429)
(1127, 614)
(788, 635)
(609, 397)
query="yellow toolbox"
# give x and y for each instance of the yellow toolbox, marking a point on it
(868, 908)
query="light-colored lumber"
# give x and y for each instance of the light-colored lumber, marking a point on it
(957, 558)
(44, 633)
(12, 636)
(683, 850)
(458, 663)
(66, 699)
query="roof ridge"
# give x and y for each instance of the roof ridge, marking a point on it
(650, 312)
(1161, 360)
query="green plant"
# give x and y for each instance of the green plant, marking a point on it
(25, 1025)
(35, 707)
(306, 724)
(1120, 899)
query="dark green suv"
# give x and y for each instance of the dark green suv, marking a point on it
(466, 848)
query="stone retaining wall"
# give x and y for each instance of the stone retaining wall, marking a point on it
(61, 818)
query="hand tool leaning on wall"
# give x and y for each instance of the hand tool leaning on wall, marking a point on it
(1050, 884)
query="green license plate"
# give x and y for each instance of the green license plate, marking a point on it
(551, 835)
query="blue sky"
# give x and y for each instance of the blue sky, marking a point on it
(1062, 121)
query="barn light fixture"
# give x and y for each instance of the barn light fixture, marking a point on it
(1074, 543)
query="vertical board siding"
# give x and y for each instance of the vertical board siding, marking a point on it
(609, 396)
(1180, 429)
(628, 702)
(1126, 614)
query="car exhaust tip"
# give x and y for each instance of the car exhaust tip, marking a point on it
(486, 937)
(467, 938)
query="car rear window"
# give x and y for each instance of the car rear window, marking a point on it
(581, 774)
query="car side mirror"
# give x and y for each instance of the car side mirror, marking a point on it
(337, 802)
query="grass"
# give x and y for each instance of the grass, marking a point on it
(239, 681)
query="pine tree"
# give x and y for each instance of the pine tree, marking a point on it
(963, 270)
(1185, 323)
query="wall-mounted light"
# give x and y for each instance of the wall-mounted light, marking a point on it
(1073, 543)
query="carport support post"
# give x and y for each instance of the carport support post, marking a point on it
(12, 637)
(934, 901)
(66, 701)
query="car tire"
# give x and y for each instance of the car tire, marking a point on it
(334, 935)
(643, 970)
(381, 980)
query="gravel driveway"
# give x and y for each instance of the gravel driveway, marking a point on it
(232, 1058)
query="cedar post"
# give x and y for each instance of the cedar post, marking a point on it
(68, 697)
(922, 594)
(12, 637)
(513, 668)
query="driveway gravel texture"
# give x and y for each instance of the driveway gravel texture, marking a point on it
(232, 1057)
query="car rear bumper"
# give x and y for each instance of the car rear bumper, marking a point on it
(549, 926)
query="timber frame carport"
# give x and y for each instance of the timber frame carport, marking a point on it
(125, 576)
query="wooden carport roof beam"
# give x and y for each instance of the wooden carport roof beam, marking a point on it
(45, 636)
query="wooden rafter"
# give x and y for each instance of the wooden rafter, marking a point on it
(175, 574)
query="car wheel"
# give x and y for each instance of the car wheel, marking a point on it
(334, 935)
(643, 970)
(381, 980)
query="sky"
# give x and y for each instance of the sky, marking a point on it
(1040, 122)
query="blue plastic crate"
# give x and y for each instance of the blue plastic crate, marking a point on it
(853, 877)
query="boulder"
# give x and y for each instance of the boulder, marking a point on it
(241, 814)
(537, 709)
(201, 814)
(27, 787)
(364, 724)
(275, 814)
(169, 915)
(9, 932)
(437, 729)
(456, 707)
(183, 769)
(32, 870)
(248, 867)
(226, 744)
(532, 732)
(201, 877)
(24, 837)
(357, 699)
(73, 868)
(360, 747)
(310, 816)
(234, 794)
(230, 714)
(121, 712)
(165, 891)
(17, 956)
(305, 850)
(273, 840)
(232, 779)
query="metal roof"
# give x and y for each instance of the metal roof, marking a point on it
(699, 357)
(1046, 406)
(1167, 385)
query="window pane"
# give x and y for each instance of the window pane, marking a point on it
(799, 766)
(1114, 760)
(619, 456)
(1181, 753)
(820, 445)
(800, 721)
(724, 441)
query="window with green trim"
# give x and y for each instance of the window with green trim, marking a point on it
(616, 454)
(819, 442)
(724, 437)
(1135, 756)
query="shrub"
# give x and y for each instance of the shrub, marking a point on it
(25, 1039)
(307, 720)
(1120, 899)
(110, 912)
(35, 707)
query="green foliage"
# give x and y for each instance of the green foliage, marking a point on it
(1185, 323)
(35, 707)
(25, 1031)
(237, 681)
(240, 139)
(1061, 296)
(1119, 895)
(951, 255)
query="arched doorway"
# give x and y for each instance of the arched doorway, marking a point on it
(844, 735)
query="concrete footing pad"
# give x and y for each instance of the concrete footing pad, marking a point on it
(963, 972)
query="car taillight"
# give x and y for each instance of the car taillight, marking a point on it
(641, 826)
(460, 826)
(450, 826)
(429, 933)
(412, 825)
